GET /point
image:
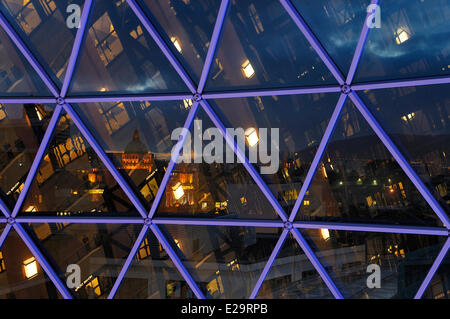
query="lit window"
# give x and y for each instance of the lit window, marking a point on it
(176, 43)
(401, 35)
(93, 286)
(251, 136)
(325, 233)
(306, 202)
(30, 267)
(178, 191)
(187, 103)
(144, 250)
(247, 69)
(2, 263)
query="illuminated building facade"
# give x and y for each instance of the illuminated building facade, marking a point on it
(87, 178)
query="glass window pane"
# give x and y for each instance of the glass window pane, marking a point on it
(412, 42)
(21, 276)
(22, 127)
(152, 274)
(138, 137)
(261, 47)
(226, 262)
(46, 27)
(199, 186)
(187, 27)
(98, 250)
(72, 180)
(375, 265)
(290, 128)
(358, 180)
(293, 276)
(119, 56)
(439, 287)
(418, 120)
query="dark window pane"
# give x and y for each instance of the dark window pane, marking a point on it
(187, 27)
(152, 274)
(225, 262)
(439, 287)
(412, 42)
(262, 47)
(72, 180)
(358, 180)
(100, 251)
(293, 276)
(17, 77)
(22, 127)
(44, 27)
(119, 56)
(337, 24)
(403, 259)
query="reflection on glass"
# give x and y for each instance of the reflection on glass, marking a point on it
(418, 120)
(216, 190)
(337, 24)
(188, 24)
(99, 250)
(403, 259)
(412, 42)
(358, 180)
(152, 275)
(137, 135)
(22, 127)
(439, 287)
(21, 276)
(262, 47)
(301, 121)
(119, 56)
(17, 77)
(225, 262)
(36, 20)
(293, 276)
(72, 180)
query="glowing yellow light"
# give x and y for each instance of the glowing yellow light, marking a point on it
(325, 233)
(247, 69)
(306, 202)
(178, 191)
(251, 136)
(30, 209)
(30, 266)
(176, 43)
(187, 103)
(402, 36)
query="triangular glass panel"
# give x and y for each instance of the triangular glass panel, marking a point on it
(417, 119)
(48, 28)
(72, 180)
(22, 127)
(187, 27)
(88, 257)
(293, 276)
(289, 127)
(17, 76)
(358, 180)
(225, 262)
(202, 185)
(337, 24)
(21, 276)
(261, 47)
(375, 265)
(412, 42)
(153, 275)
(439, 286)
(120, 57)
(137, 136)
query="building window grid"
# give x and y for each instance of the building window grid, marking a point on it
(287, 221)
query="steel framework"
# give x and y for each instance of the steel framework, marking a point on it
(148, 220)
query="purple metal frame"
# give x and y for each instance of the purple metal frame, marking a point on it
(149, 221)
